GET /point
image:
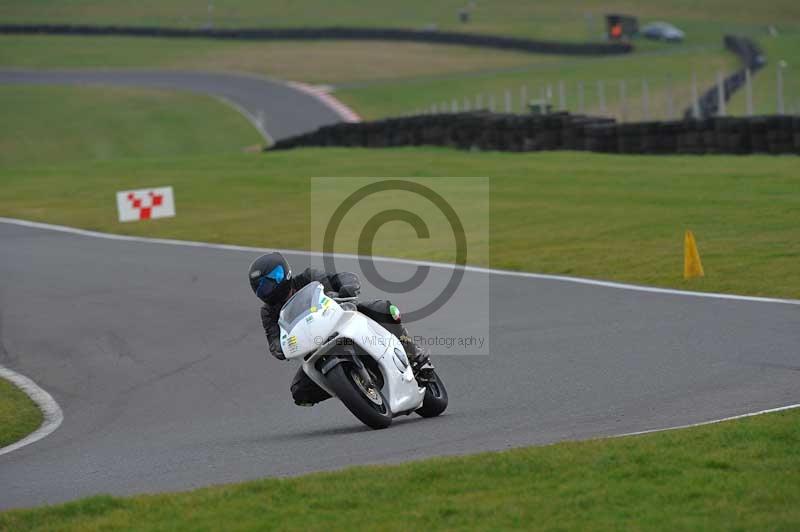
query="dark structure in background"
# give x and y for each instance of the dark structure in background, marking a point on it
(752, 58)
(562, 131)
(621, 27)
(332, 33)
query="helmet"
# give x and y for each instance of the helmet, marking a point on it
(271, 278)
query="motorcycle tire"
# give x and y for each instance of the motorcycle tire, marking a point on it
(435, 401)
(365, 402)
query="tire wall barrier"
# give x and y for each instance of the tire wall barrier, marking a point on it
(751, 57)
(332, 33)
(562, 131)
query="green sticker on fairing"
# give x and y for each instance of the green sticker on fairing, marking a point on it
(395, 312)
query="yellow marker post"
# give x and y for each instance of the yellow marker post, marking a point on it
(692, 267)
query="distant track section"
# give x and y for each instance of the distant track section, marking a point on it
(278, 110)
(332, 33)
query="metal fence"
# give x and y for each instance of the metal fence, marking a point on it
(633, 100)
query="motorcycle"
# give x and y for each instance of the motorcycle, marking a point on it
(355, 359)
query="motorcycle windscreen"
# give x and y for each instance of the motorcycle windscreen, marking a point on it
(300, 305)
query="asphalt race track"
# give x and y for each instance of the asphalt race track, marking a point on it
(285, 110)
(156, 355)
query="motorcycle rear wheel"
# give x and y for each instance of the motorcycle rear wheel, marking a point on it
(363, 399)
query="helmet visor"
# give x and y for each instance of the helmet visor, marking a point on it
(269, 282)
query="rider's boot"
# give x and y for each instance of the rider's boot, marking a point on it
(418, 357)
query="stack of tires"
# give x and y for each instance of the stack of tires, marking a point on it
(562, 131)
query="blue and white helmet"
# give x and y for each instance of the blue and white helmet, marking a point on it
(271, 278)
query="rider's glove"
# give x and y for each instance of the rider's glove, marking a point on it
(346, 284)
(349, 290)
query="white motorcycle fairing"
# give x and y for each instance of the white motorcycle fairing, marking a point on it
(314, 325)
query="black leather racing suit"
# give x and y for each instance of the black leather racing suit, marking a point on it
(304, 390)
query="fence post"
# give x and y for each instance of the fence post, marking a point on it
(670, 99)
(695, 102)
(479, 102)
(562, 96)
(779, 87)
(623, 102)
(466, 104)
(580, 97)
(601, 96)
(645, 99)
(748, 90)
(720, 94)
(453, 106)
(491, 103)
(508, 101)
(542, 101)
(523, 98)
(434, 110)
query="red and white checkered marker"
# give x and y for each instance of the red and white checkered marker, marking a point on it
(145, 204)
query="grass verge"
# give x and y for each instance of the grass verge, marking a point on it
(19, 416)
(316, 62)
(582, 214)
(48, 124)
(735, 475)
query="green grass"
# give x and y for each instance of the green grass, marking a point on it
(739, 475)
(19, 416)
(581, 214)
(321, 62)
(58, 124)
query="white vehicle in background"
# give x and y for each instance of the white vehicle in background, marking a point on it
(663, 31)
(355, 359)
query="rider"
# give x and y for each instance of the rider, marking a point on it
(272, 281)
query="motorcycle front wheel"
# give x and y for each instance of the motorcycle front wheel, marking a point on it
(435, 401)
(362, 398)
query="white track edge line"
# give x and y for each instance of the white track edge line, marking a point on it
(476, 269)
(254, 121)
(51, 412)
(711, 422)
